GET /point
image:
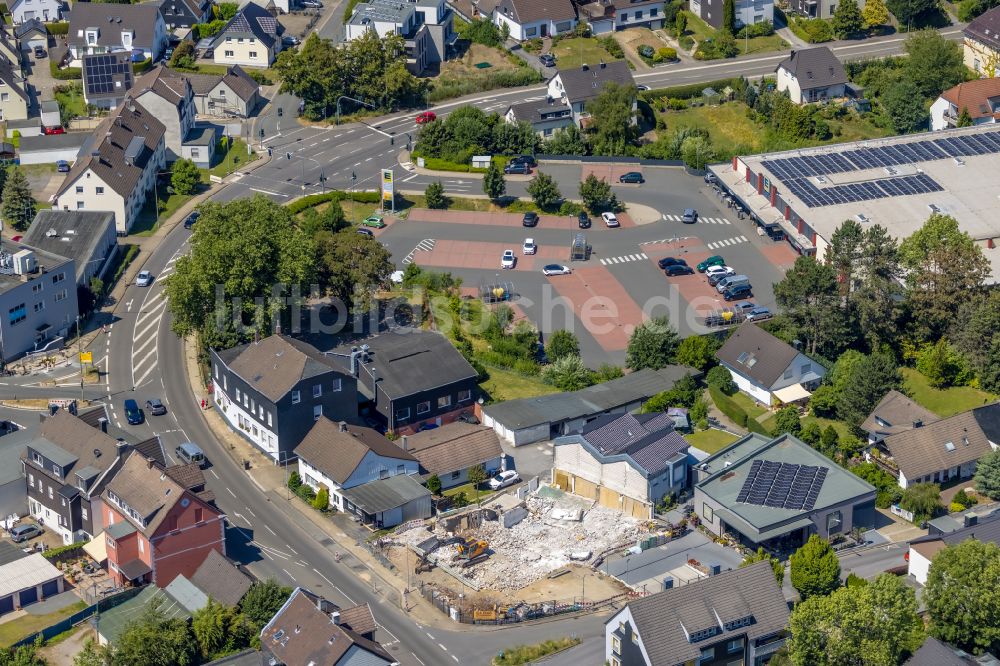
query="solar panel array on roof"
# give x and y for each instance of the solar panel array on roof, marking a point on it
(268, 23)
(100, 72)
(782, 485)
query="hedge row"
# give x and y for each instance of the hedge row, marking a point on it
(311, 200)
(687, 91)
(59, 28)
(142, 67)
(68, 74)
(71, 549)
(736, 414)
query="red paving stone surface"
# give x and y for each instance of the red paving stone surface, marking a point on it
(780, 254)
(600, 304)
(483, 255)
(507, 219)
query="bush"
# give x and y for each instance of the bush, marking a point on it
(762, 29)
(665, 54)
(734, 412)
(294, 481)
(449, 88)
(71, 549)
(434, 484)
(58, 28)
(533, 45)
(259, 77)
(814, 31)
(721, 379)
(312, 200)
(67, 74)
(688, 91)
(611, 45)
(322, 500)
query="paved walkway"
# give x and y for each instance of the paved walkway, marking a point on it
(793, 39)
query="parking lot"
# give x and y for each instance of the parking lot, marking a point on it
(620, 285)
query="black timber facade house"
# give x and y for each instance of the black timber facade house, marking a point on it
(273, 391)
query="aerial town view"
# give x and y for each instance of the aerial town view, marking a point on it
(500, 332)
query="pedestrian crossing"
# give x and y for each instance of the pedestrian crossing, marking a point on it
(425, 245)
(701, 220)
(724, 243)
(624, 259)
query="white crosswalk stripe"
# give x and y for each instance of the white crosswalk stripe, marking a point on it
(724, 243)
(624, 259)
(701, 220)
(425, 245)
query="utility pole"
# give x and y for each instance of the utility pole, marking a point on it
(79, 349)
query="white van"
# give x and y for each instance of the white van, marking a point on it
(188, 452)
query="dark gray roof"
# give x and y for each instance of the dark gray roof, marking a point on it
(586, 82)
(31, 25)
(75, 234)
(107, 75)
(757, 354)
(647, 439)
(52, 141)
(529, 11)
(986, 530)
(111, 19)
(814, 68)
(245, 658)
(221, 579)
(540, 111)
(235, 78)
(12, 450)
(944, 444)
(935, 653)
(664, 620)
(164, 82)
(252, 21)
(897, 413)
(183, 13)
(985, 28)
(69, 442)
(409, 361)
(591, 401)
(386, 494)
(337, 453)
(276, 364)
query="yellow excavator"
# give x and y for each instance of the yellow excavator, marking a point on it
(472, 551)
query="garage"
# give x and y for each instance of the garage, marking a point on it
(28, 596)
(6, 605)
(50, 589)
(50, 148)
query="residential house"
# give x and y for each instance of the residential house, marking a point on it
(545, 116)
(170, 98)
(980, 98)
(107, 78)
(9, 47)
(981, 43)
(735, 617)
(273, 391)
(185, 13)
(895, 413)
(25, 579)
(530, 19)
(747, 12)
(66, 466)
(777, 492)
(811, 75)
(473, 10)
(389, 502)
(605, 16)
(14, 99)
(13, 449)
(767, 369)
(252, 38)
(29, 34)
(339, 457)
(43, 10)
(530, 420)
(942, 450)
(191, 477)
(96, 27)
(823, 9)
(411, 378)
(574, 88)
(233, 94)
(309, 630)
(451, 450)
(221, 580)
(38, 293)
(628, 462)
(156, 529)
(935, 653)
(86, 236)
(924, 549)
(425, 25)
(118, 165)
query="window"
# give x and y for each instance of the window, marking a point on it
(83, 513)
(455, 475)
(58, 277)
(4, 97)
(50, 492)
(635, 638)
(337, 385)
(38, 307)
(444, 401)
(834, 521)
(215, 368)
(616, 645)
(253, 54)
(624, 16)
(638, 15)
(17, 314)
(296, 398)
(734, 645)
(317, 390)
(805, 368)
(79, 205)
(198, 517)
(238, 394)
(317, 412)
(464, 395)
(239, 40)
(402, 414)
(37, 287)
(654, 11)
(788, 372)
(60, 295)
(142, 546)
(269, 419)
(383, 474)
(531, 32)
(79, 189)
(229, 54)
(100, 190)
(615, 662)
(194, 153)
(57, 471)
(31, 479)
(707, 653)
(707, 512)
(424, 407)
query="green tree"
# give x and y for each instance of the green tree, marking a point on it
(211, 627)
(847, 19)
(331, 218)
(885, 484)
(787, 421)
(185, 176)
(867, 383)
(184, 56)
(434, 196)
(811, 434)
(904, 105)
(838, 629)
(262, 601)
(93, 654)
(829, 440)
(566, 141)
(962, 595)
(154, 640)
(596, 194)
(729, 16)
(696, 151)
(908, 11)
(875, 13)
(935, 64)
(876, 304)
(923, 499)
(653, 344)
(350, 266)
(845, 251)
(476, 476)
(562, 343)
(18, 204)
(810, 298)
(224, 11)
(684, 394)
(568, 373)
(761, 556)
(815, 569)
(680, 24)
(698, 351)
(494, 185)
(322, 499)
(964, 118)
(943, 366)
(434, 484)
(614, 127)
(988, 475)
(721, 379)
(544, 191)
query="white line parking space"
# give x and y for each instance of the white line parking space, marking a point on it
(426, 244)
(727, 242)
(624, 259)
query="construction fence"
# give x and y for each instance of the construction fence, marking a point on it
(458, 609)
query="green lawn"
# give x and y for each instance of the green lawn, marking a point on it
(507, 385)
(767, 44)
(748, 404)
(697, 28)
(943, 402)
(575, 51)
(233, 159)
(13, 631)
(470, 492)
(842, 428)
(70, 100)
(711, 440)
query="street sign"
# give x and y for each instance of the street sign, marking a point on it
(86, 357)
(387, 190)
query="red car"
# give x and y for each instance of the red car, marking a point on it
(53, 130)
(426, 117)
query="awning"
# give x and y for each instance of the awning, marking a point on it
(792, 393)
(97, 548)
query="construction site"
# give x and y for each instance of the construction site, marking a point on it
(547, 546)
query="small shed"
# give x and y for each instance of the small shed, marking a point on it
(481, 161)
(681, 418)
(50, 114)
(389, 502)
(710, 95)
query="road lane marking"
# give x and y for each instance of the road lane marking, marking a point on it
(230, 491)
(440, 645)
(417, 658)
(273, 194)
(270, 530)
(214, 474)
(290, 576)
(429, 635)
(454, 657)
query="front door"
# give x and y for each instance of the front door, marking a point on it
(545, 30)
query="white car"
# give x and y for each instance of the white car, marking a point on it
(143, 279)
(504, 479)
(556, 269)
(719, 270)
(529, 246)
(610, 219)
(508, 260)
(396, 277)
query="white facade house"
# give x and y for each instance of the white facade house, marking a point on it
(425, 25)
(923, 550)
(530, 19)
(748, 12)
(811, 75)
(575, 87)
(980, 98)
(252, 38)
(170, 97)
(43, 10)
(14, 99)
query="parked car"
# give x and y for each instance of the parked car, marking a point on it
(529, 246)
(468, 417)
(21, 533)
(690, 216)
(504, 479)
(312, 4)
(743, 307)
(426, 117)
(710, 178)
(132, 412)
(508, 259)
(731, 281)
(715, 277)
(530, 220)
(189, 452)
(58, 129)
(677, 269)
(737, 292)
(156, 407)
(556, 269)
(631, 177)
(714, 260)
(290, 40)
(583, 220)
(519, 168)
(610, 219)
(759, 314)
(39, 53)
(62, 166)
(671, 261)
(547, 59)
(374, 220)
(366, 232)
(191, 219)
(143, 279)
(524, 159)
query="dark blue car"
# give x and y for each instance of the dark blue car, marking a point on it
(132, 412)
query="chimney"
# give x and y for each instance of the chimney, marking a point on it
(103, 424)
(122, 447)
(335, 617)
(918, 423)
(149, 463)
(404, 442)
(343, 426)
(354, 361)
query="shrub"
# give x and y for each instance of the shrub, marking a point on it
(294, 481)
(259, 77)
(448, 88)
(460, 500)
(322, 500)
(721, 379)
(726, 405)
(66, 74)
(611, 45)
(533, 45)
(71, 549)
(665, 54)
(814, 31)
(434, 484)
(58, 28)
(762, 29)
(688, 91)
(306, 493)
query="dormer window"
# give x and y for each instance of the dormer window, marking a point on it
(127, 38)
(92, 36)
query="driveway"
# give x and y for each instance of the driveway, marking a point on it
(41, 79)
